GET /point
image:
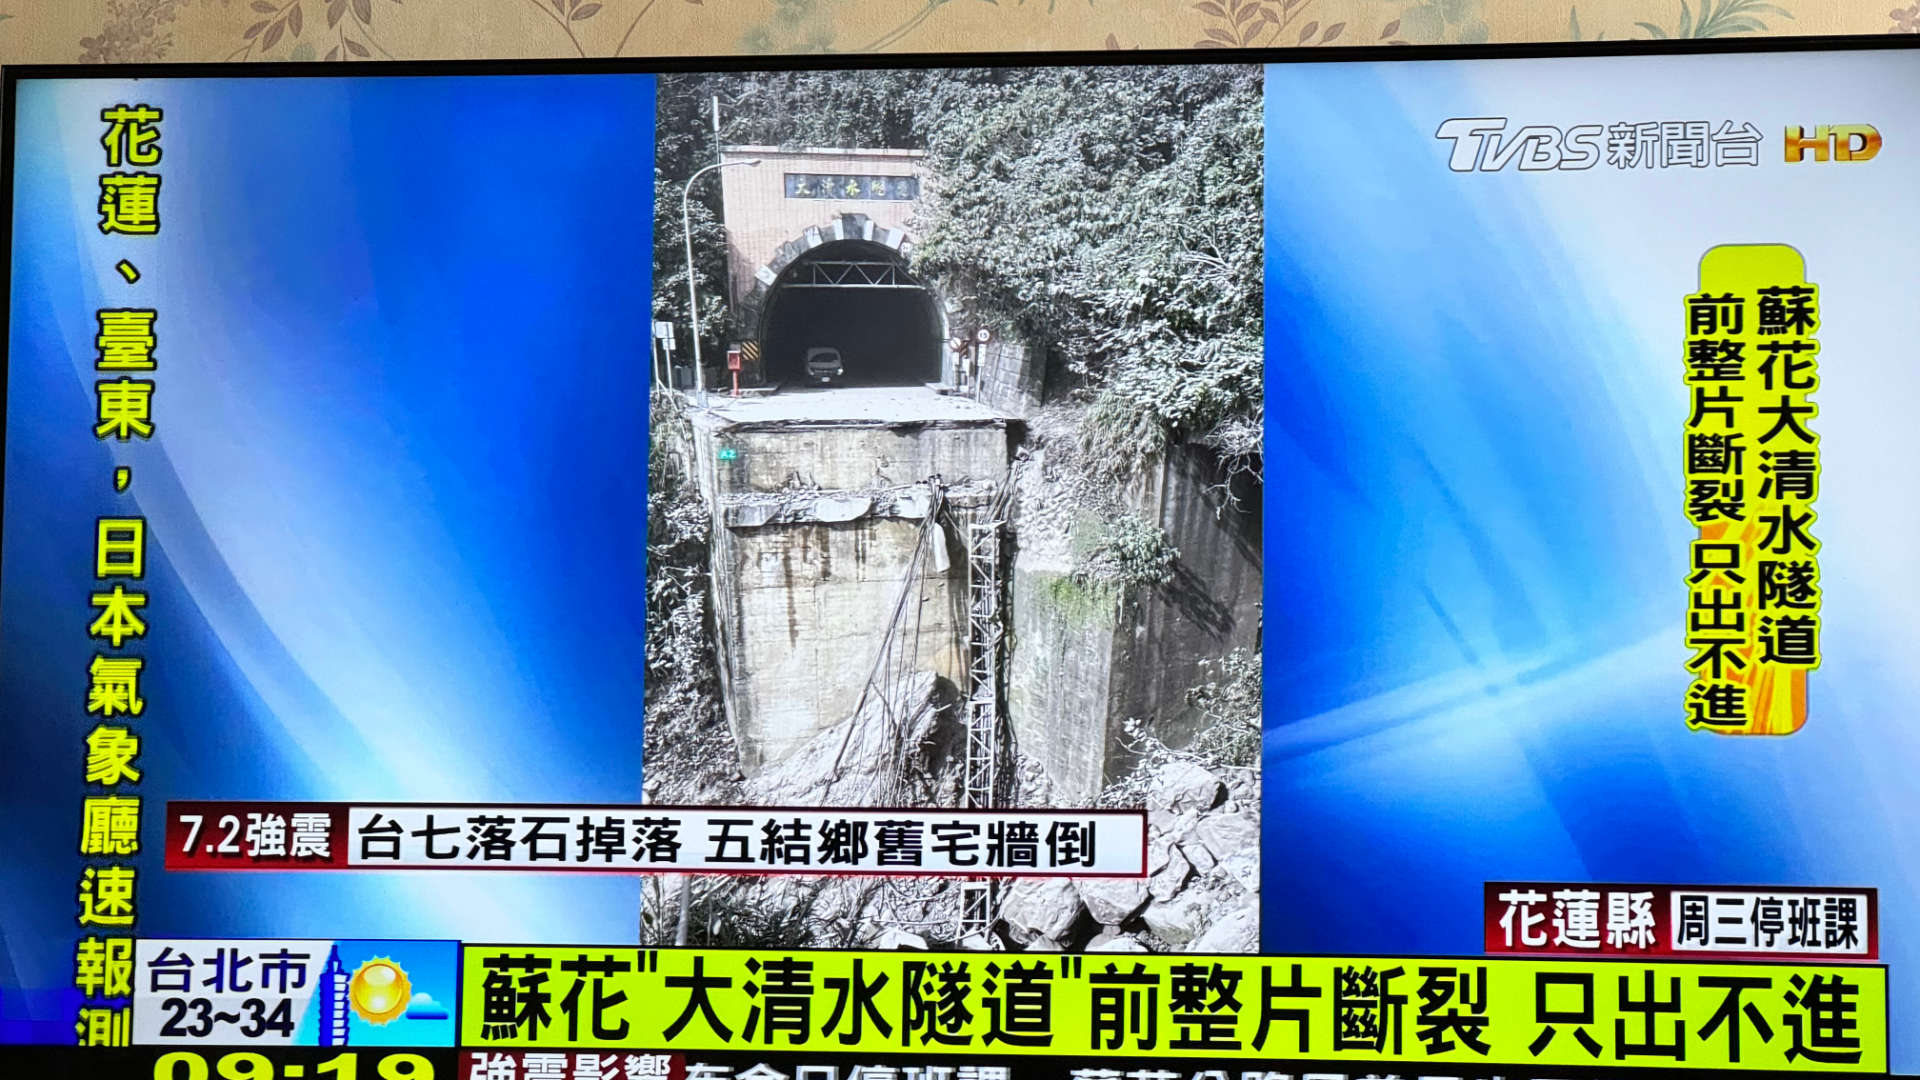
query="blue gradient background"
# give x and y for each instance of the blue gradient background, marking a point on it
(396, 493)
(1475, 668)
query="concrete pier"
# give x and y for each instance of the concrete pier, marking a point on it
(819, 500)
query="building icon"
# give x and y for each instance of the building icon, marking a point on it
(334, 1017)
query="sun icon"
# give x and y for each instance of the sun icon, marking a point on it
(379, 991)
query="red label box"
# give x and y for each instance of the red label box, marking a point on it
(256, 836)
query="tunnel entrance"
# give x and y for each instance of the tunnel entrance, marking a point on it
(857, 297)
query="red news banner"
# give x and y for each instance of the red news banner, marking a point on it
(1683, 921)
(656, 839)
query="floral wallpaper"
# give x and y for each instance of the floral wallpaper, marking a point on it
(344, 31)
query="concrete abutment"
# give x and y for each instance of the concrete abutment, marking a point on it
(820, 503)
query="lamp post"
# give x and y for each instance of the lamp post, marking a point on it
(693, 299)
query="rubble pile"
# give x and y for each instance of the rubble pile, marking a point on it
(911, 740)
(1201, 894)
(898, 751)
(1203, 887)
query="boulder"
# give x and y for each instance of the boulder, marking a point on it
(1183, 786)
(1112, 901)
(1226, 835)
(1116, 943)
(1160, 851)
(1243, 867)
(1037, 908)
(1171, 877)
(1238, 931)
(1171, 825)
(1243, 786)
(1177, 921)
(1197, 854)
(896, 938)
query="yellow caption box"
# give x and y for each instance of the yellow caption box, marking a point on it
(1796, 1017)
(1751, 371)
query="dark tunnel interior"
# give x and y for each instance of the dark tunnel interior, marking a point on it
(886, 336)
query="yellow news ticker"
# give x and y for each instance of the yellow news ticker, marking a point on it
(1794, 1017)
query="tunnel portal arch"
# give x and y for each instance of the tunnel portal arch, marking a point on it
(848, 285)
(859, 298)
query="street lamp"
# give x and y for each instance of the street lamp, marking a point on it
(693, 299)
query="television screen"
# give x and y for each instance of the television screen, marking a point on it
(713, 569)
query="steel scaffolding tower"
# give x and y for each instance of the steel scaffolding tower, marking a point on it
(985, 636)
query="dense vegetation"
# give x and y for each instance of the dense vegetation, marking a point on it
(684, 724)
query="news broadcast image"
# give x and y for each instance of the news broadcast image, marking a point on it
(767, 570)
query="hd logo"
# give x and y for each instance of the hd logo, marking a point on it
(1839, 142)
(1480, 145)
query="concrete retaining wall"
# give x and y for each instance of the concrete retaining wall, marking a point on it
(1060, 678)
(1084, 660)
(1012, 377)
(1209, 606)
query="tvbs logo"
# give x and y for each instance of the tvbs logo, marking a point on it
(1838, 142)
(1479, 145)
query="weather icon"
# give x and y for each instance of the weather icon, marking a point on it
(379, 991)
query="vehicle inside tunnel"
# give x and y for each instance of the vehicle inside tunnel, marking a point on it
(857, 300)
